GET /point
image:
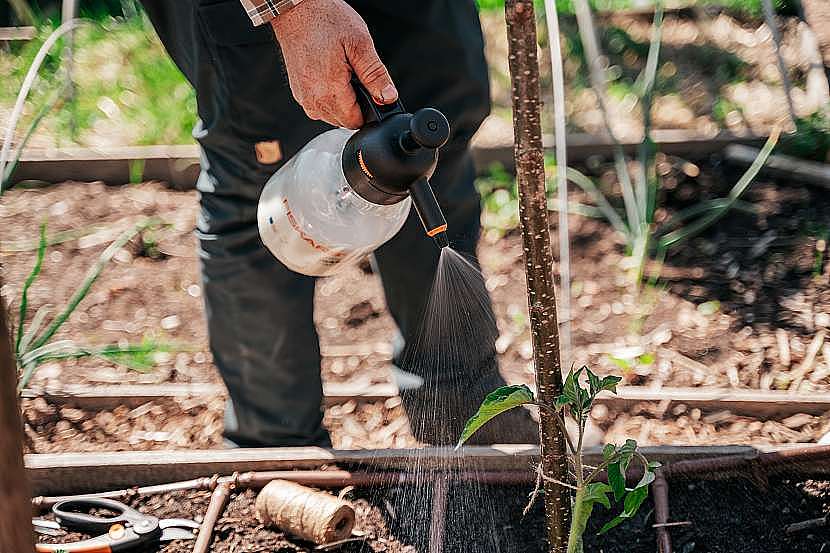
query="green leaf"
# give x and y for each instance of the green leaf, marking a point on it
(616, 521)
(496, 402)
(24, 296)
(597, 492)
(631, 505)
(610, 383)
(648, 478)
(624, 364)
(608, 451)
(616, 477)
(646, 359)
(594, 383)
(709, 307)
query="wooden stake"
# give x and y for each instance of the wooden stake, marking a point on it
(533, 215)
(15, 507)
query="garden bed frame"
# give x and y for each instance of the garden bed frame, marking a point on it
(65, 473)
(753, 403)
(179, 164)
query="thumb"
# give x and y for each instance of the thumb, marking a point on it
(371, 71)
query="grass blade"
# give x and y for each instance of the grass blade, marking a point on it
(91, 276)
(679, 235)
(588, 186)
(32, 359)
(700, 208)
(34, 328)
(646, 178)
(28, 82)
(45, 109)
(24, 296)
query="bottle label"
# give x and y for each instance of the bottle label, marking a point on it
(316, 254)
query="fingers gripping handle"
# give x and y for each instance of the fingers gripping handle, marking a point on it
(371, 110)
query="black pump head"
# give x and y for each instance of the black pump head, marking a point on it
(393, 156)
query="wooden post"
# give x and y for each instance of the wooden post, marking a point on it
(15, 507)
(533, 215)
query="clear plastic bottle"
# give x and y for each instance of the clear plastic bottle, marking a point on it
(311, 218)
(345, 193)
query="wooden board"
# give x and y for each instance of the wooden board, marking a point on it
(9, 34)
(65, 473)
(83, 396)
(754, 403)
(179, 165)
(799, 171)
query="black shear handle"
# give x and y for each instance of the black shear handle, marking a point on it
(68, 515)
(372, 111)
(116, 540)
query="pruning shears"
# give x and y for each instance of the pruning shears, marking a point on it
(126, 530)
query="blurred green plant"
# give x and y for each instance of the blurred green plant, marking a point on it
(811, 139)
(500, 198)
(640, 185)
(125, 82)
(576, 402)
(34, 344)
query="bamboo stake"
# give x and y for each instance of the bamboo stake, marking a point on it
(533, 215)
(15, 512)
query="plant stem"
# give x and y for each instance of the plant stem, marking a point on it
(533, 216)
(578, 522)
(15, 509)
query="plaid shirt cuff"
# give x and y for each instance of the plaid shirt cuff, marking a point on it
(263, 11)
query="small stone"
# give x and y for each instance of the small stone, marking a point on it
(170, 322)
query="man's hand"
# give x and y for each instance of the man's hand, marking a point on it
(323, 43)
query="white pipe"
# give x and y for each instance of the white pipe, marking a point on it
(560, 136)
(28, 82)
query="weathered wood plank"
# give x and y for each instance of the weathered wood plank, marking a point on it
(754, 403)
(783, 166)
(67, 473)
(84, 396)
(9, 34)
(179, 164)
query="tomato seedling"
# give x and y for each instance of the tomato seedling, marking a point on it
(575, 402)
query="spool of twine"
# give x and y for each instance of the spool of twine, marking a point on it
(309, 514)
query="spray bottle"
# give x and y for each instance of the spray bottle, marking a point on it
(345, 193)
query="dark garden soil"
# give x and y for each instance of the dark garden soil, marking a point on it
(719, 517)
(737, 307)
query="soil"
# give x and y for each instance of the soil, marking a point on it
(719, 517)
(728, 302)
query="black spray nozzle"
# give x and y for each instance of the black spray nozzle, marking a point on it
(393, 156)
(429, 211)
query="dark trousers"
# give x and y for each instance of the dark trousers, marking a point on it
(260, 314)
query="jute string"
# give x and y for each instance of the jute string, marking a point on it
(309, 514)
